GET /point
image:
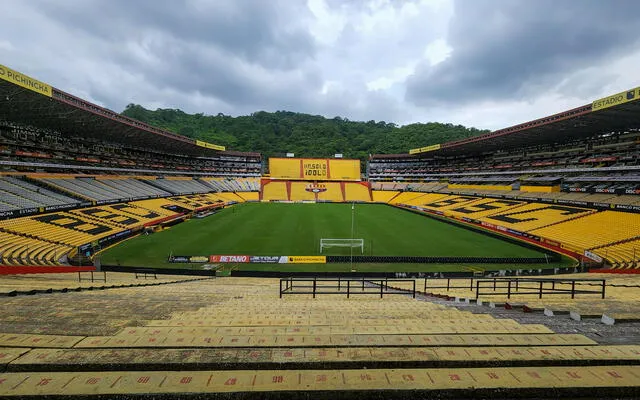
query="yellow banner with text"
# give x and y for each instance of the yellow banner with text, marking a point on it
(24, 81)
(210, 146)
(616, 99)
(314, 169)
(425, 149)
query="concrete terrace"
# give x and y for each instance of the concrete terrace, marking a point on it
(211, 338)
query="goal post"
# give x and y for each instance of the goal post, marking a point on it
(332, 242)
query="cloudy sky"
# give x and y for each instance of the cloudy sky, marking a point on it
(482, 63)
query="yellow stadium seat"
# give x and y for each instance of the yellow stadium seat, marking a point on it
(299, 191)
(595, 230)
(357, 192)
(275, 191)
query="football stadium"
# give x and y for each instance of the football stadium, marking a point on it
(139, 263)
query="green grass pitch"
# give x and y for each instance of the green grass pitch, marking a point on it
(295, 229)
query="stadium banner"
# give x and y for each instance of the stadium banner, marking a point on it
(616, 99)
(179, 259)
(551, 242)
(593, 256)
(265, 259)
(425, 149)
(189, 259)
(210, 146)
(25, 81)
(229, 259)
(306, 260)
(314, 169)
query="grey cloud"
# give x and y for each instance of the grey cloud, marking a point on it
(242, 53)
(508, 49)
(269, 33)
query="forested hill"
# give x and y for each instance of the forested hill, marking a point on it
(274, 134)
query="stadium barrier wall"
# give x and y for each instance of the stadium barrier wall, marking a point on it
(303, 274)
(479, 187)
(39, 269)
(443, 260)
(360, 259)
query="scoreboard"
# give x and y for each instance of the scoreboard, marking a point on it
(314, 169)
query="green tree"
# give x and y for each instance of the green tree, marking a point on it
(275, 133)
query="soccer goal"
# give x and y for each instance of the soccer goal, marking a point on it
(353, 243)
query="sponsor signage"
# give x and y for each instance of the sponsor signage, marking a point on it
(425, 149)
(189, 259)
(551, 242)
(543, 163)
(593, 256)
(24, 81)
(598, 159)
(627, 207)
(114, 236)
(266, 259)
(306, 259)
(229, 259)
(32, 154)
(209, 145)
(616, 99)
(573, 202)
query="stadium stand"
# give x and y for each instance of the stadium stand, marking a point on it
(249, 196)
(332, 345)
(357, 192)
(17, 194)
(33, 148)
(299, 192)
(52, 238)
(233, 185)
(173, 340)
(623, 255)
(180, 185)
(596, 230)
(576, 228)
(333, 192)
(104, 190)
(380, 196)
(274, 191)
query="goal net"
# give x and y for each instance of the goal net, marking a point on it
(353, 243)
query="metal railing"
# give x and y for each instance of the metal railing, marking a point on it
(349, 286)
(509, 286)
(449, 284)
(145, 275)
(93, 278)
(538, 286)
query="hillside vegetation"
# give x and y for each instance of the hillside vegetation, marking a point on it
(274, 134)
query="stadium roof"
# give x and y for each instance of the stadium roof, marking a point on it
(30, 102)
(616, 113)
